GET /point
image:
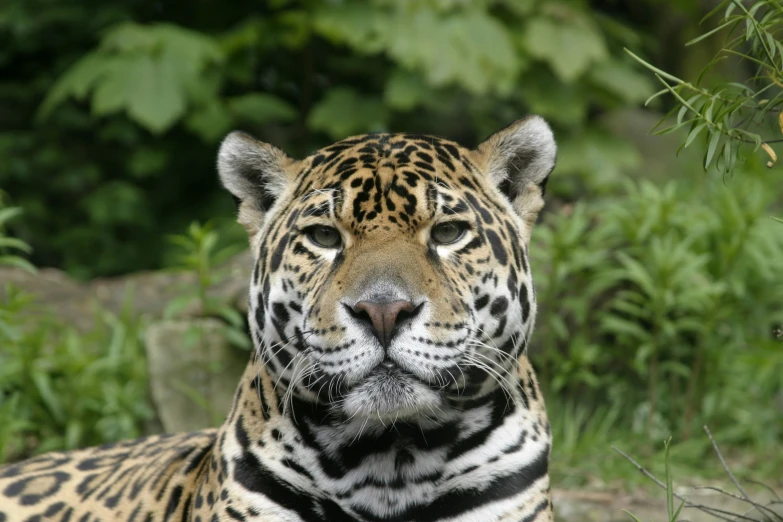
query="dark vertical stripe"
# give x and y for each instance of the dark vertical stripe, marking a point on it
(176, 496)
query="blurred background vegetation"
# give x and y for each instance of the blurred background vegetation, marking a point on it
(659, 283)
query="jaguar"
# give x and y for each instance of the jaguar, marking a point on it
(390, 308)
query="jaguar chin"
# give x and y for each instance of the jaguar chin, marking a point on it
(390, 393)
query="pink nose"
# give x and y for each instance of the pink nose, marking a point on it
(384, 317)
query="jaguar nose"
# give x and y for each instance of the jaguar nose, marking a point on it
(384, 318)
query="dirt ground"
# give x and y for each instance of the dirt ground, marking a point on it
(650, 506)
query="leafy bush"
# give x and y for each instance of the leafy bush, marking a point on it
(201, 253)
(61, 389)
(10, 247)
(681, 326)
(663, 302)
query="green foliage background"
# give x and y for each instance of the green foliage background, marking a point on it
(659, 284)
(113, 112)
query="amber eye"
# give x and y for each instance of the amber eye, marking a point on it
(323, 236)
(449, 232)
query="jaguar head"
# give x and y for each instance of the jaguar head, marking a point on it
(391, 275)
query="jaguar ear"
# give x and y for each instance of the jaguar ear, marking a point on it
(255, 173)
(518, 160)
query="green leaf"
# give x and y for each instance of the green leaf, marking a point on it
(559, 102)
(115, 202)
(694, 133)
(210, 121)
(157, 99)
(237, 338)
(196, 49)
(728, 163)
(261, 108)
(343, 112)
(434, 44)
(570, 49)
(654, 69)
(147, 161)
(432, 41)
(714, 10)
(678, 512)
(229, 314)
(13, 243)
(621, 79)
(129, 37)
(149, 71)
(617, 325)
(600, 157)
(710, 104)
(520, 7)
(406, 91)
(709, 33)
(672, 128)
(112, 93)
(361, 25)
(681, 113)
(654, 96)
(74, 431)
(17, 262)
(633, 517)
(9, 213)
(711, 148)
(43, 385)
(669, 485)
(178, 305)
(76, 82)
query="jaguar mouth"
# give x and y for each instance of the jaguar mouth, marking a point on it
(389, 369)
(390, 392)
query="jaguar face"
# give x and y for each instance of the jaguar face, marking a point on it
(391, 277)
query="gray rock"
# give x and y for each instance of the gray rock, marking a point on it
(193, 370)
(193, 373)
(74, 302)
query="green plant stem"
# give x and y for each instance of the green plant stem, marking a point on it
(761, 36)
(652, 388)
(693, 384)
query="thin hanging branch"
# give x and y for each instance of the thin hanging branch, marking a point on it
(725, 466)
(769, 514)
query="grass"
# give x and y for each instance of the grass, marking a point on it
(582, 456)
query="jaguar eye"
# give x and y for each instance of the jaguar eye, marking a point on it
(449, 232)
(326, 237)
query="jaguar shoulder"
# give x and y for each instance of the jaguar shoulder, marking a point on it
(390, 306)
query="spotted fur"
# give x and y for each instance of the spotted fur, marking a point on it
(428, 412)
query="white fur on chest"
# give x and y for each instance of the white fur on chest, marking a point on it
(378, 486)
